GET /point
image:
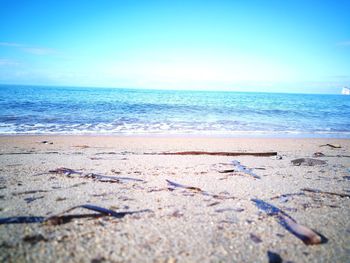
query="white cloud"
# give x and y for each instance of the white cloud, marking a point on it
(197, 71)
(40, 51)
(10, 44)
(8, 62)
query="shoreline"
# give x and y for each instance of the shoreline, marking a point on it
(154, 137)
(247, 135)
(143, 144)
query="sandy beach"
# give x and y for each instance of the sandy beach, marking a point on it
(207, 211)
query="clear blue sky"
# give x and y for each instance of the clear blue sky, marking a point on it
(288, 46)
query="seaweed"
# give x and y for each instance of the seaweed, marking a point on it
(226, 171)
(331, 145)
(62, 219)
(32, 199)
(214, 203)
(255, 238)
(308, 162)
(307, 235)
(174, 185)
(30, 152)
(259, 154)
(243, 169)
(65, 171)
(29, 192)
(98, 177)
(22, 220)
(318, 154)
(33, 239)
(46, 142)
(317, 191)
(110, 179)
(100, 153)
(177, 185)
(274, 257)
(229, 210)
(283, 198)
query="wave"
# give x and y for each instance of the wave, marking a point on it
(183, 128)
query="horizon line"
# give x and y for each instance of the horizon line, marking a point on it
(167, 89)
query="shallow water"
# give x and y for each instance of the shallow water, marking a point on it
(64, 110)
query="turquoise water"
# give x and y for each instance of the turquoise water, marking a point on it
(63, 110)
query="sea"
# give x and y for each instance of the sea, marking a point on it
(117, 111)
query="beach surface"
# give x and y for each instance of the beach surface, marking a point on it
(209, 210)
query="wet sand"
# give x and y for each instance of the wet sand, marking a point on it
(217, 223)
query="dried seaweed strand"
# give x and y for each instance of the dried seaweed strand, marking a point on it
(286, 195)
(331, 145)
(62, 219)
(259, 154)
(98, 177)
(197, 190)
(32, 152)
(307, 235)
(226, 171)
(192, 188)
(241, 168)
(22, 220)
(308, 162)
(317, 191)
(274, 257)
(29, 192)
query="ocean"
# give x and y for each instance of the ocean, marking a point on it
(71, 110)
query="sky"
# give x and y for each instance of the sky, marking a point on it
(240, 45)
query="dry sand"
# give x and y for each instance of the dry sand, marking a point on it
(221, 225)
